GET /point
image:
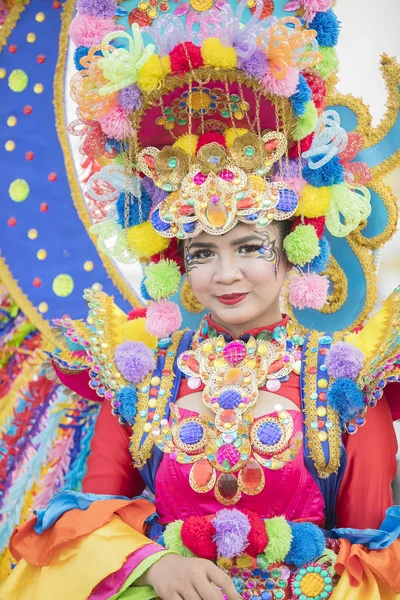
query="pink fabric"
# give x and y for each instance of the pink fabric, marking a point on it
(290, 491)
(111, 584)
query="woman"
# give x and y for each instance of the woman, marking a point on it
(241, 429)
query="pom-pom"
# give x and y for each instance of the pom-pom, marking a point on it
(285, 87)
(209, 137)
(138, 210)
(135, 331)
(255, 66)
(87, 30)
(301, 245)
(134, 360)
(295, 183)
(162, 279)
(129, 98)
(327, 26)
(163, 318)
(344, 360)
(257, 538)
(171, 253)
(320, 262)
(143, 290)
(345, 397)
(330, 62)
(151, 74)
(232, 528)
(318, 88)
(145, 241)
(173, 539)
(231, 134)
(308, 290)
(301, 146)
(307, 545)
(306, 123)
(126, 403)
(215, 54)
(313, 202)
(116, 123)
(139, 312)
(187, 143)
(318, 223)
(280, 537)
(79, 53)
(302, 95)
(197, 535)
(154, 192)
(331, 173)
(185, 57)
(97, 8)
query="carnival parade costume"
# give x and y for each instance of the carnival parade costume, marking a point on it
(205, 115)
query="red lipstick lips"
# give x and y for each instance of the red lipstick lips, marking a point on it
(229, 299)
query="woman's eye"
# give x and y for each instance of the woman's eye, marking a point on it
(249, 249)
(201, 254)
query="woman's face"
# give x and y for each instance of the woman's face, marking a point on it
(238, 276)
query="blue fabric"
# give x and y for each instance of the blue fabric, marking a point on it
(375, 539)
(64, 501)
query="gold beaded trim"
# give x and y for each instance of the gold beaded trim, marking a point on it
(142, 452)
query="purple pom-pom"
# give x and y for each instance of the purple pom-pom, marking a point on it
(345, 397)
(232, 528)
(156, 194)
(254, 66)
(130, 98)
(97, 8)
(134, 360)
(344, 360)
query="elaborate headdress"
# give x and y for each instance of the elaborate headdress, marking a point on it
(206, 113)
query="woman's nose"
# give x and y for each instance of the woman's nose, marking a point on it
(227, 272)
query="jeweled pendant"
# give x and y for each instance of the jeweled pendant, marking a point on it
(251, 478)
(227, 489)
(216, 213)
(202, 476)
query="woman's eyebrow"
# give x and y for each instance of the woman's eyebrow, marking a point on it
(245, 239)
(201, 245)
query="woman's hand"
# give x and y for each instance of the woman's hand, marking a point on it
(174, 577)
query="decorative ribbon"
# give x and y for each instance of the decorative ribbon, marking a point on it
(329, 140)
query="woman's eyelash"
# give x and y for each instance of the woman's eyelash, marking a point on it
(251, 248)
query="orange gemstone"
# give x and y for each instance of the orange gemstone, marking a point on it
(216, 214)
(227, 416)
(193, 364)
(312, 370)
(185, 209)
(252, 475)
(323, 351)
(276, 366)
(321, 424)
(233, 377)
(271, 145)
(245, 203)
(202, 472)
(227, 485)
(322, 396)
(153, 392)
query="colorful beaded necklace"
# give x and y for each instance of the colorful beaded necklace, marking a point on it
(229, 448)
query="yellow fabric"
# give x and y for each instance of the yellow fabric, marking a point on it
(369, 338)
(77, 569)
(369, 589)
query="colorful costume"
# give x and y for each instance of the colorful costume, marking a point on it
(290, 503)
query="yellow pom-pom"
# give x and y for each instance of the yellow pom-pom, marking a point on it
(231, 134)
(314, 202)
(166, 64)
(216, 55)
(19, 190)
(145, 241)
(135, 331)
(187, 143)
(151, 74)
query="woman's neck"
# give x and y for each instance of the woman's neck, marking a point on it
(271, 317)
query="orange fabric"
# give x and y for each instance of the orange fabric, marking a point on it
(39, 549)
(365, 491)
(383, 563)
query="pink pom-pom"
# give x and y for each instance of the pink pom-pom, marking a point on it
(285, 87)
(308, 290)
(116, 124)
(87, 30)
(295, 183)
(163, 318)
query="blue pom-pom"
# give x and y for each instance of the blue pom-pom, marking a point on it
(307, 545)
(320, 262)
(327, 26)
(329, 174)
(302, 95)
(143, 291)
(118, 145)
(158, 223)
(345, 397)
(79, 53)
(127, 397)
(137, 213)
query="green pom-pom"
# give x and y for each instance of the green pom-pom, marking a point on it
(302, 245)
(330, 62)
(162, 279)
(173, 540)
(280, 538)
(306, 123)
